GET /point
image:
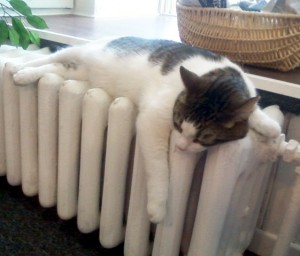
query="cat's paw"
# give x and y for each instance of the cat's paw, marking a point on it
(267, 122)
(13, 67)
(271, 130)
(26, 76)
(276, 122)
(156, 211)
(274, 130)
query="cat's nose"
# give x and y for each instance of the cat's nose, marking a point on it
(179, 147)
(182, 144)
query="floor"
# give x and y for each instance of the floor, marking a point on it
(27, 229)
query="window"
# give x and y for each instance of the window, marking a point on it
(167, 7)
(134, 7)
(126, 8)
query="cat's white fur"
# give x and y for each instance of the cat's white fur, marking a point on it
(185, 140)
(154, 94)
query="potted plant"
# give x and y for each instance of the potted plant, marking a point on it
(14, 21)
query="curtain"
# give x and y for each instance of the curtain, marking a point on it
(167, 7)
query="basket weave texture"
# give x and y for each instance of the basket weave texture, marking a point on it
(260, 39)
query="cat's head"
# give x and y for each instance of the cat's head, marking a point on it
(213, 108)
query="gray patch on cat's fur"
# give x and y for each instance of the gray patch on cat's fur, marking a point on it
(229, 80)
(125, 46)
(166, 53)
(171, 55)
(226, 88)
(70, 65)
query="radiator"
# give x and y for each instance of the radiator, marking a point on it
(77, 149)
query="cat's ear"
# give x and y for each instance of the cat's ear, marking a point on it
(189, 79)
(243, 112)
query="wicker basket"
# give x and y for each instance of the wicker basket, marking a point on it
(260, 39)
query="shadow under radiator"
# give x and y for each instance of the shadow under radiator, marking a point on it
(27, 229)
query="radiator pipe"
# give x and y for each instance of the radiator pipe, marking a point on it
(290, 151)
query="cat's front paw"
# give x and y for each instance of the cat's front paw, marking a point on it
(267, 122)
(156, 211)
(13, 67)
(26, 76)
(274, 131)
(269, 129)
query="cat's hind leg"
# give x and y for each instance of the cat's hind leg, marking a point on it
(58, 57)
(30, 75)
(69, 70)
(65, 63)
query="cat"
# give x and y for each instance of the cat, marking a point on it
(205, 97)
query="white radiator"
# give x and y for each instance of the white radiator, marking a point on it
(76, 148)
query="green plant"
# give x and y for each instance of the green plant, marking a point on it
(14, 21)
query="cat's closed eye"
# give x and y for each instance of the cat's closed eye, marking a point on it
(208, 136)
(229, 124)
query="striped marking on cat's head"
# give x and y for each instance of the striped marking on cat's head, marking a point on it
(213, 108)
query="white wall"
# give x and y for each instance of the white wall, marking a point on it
(121, 8)
(84, 7)
(48, 7)
(50, 3)
(46, 3)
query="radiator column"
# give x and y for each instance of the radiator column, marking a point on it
(138, 224)
(48, 90)
(70, 112)
(96, 103)
(121, 129)
(168, 233)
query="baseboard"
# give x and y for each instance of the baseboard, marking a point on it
(263, 243)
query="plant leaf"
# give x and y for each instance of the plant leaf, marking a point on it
(18, 25)
(24, 42)
(36, 22)
(34, 38)
(21, 7)
(3, 31)
(13, 36)
(24, 39)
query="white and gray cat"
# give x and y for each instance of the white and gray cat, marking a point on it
(204, 96)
